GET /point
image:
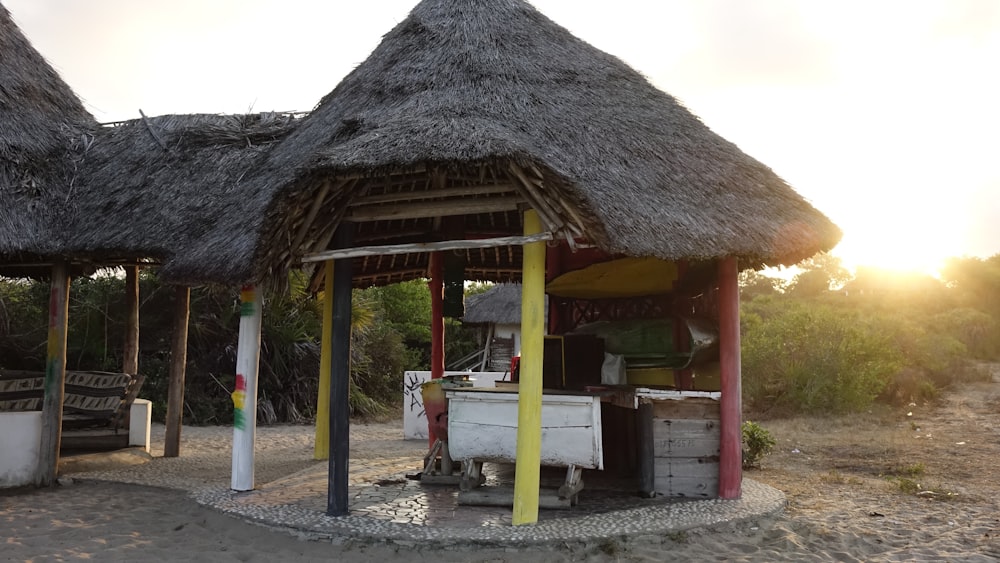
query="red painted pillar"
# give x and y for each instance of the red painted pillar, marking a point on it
(437, 328)
(437, 317)
(731, 414)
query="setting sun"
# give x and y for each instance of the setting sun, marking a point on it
(916, 234)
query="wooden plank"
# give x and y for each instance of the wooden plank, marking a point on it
(392, 249)
(461, 191)
(178, 364)
(504, 496)
(55, 377)
(693, 408)
(685, 438)
(438, 208)
(687, 477)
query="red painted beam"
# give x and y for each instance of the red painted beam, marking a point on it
(437, 322)
(730, 454)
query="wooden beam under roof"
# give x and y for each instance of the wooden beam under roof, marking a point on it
(360, 251)
(433, 208)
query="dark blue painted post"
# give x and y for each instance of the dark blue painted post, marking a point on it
(340, 376)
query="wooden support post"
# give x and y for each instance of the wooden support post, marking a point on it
(647, 452)
(245, 395)
(730, 404)
(437, 315)
(178, 367)
(529, 398)
(321, 450)
(436, 284)
(130, 355)
(55, 377)
(553, 269)
(340, 379)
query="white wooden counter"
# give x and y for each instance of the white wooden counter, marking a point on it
(482, 426)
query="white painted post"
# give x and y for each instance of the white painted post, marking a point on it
(245, 395)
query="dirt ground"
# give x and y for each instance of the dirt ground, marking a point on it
(894, 484)
(917, 484)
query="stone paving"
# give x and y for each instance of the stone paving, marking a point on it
(387, 506)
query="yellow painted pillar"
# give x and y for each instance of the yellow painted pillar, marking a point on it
(322, 448)
(529, 397)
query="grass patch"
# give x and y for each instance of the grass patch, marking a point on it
(835, 477)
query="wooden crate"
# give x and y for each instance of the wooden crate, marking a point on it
(683, 438)
(686, 441)
(687, 477)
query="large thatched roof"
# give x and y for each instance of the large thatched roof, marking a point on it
(494, 90)
(44, 130)
(468, 112)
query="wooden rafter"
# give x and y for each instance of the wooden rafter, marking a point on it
(416, 247)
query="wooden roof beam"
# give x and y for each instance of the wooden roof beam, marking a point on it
(434, 208)
(392, 249)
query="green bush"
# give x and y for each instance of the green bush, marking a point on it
(808, 358)
(757, 443)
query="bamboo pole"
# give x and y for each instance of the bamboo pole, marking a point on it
(245, 395)
(340, 380)
(529, 399)
(322, 448)
(55, 377)
(730, 403)
(130, 355)
(178, 367)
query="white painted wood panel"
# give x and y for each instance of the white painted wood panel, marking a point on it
(483, 426)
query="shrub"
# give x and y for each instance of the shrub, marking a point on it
(757, 443)
(809, 358)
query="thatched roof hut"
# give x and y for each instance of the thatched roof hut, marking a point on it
(471, 109)
(173, 189)
(44, 131)
(468, 112)
(500, 304)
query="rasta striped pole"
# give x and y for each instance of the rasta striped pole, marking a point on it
(245, 394)
(55, 377)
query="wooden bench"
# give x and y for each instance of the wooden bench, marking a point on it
(94, 400)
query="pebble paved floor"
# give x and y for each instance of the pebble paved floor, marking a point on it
(385, 506)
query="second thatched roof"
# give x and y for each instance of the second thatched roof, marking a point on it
(500, 304)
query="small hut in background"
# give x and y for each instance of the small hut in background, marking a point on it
(497, 311)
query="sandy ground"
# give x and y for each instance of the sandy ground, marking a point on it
(913, 485)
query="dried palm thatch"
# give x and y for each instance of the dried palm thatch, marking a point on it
(494, 88)
(174, 189)
(44, 131)
(500, 304)
(469, 110)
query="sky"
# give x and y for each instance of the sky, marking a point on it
(884, 114)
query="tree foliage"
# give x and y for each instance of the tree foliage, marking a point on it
(836, 342)
(384, 322)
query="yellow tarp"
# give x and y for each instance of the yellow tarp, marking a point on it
(625, 277)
